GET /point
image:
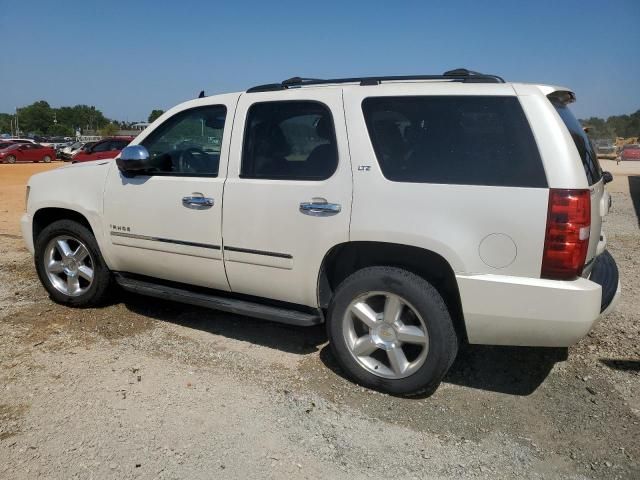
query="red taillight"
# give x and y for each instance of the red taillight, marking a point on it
(567, 238)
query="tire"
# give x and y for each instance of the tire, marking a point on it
(46, 159)
(56, 278)
(422, 308)
(11, 159)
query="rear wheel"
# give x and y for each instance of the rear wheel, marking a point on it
(70, 266)
(391, 330)
(11, 159)
(46, 159)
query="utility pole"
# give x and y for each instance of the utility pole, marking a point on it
(17, 123)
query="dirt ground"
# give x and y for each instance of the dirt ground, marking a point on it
(150, 389)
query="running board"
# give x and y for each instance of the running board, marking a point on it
(217, 302)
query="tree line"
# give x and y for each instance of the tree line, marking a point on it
(40, 118)
(615, 126)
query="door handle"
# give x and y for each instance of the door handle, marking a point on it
(319, 207)
(197, 201)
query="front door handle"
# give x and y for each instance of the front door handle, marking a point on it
(197, 201)
(319, 207)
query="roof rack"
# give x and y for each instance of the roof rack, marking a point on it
(457, 75)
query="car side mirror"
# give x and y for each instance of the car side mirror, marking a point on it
(133, 160)
(607, 177)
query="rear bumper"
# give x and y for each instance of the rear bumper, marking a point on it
(504, 310)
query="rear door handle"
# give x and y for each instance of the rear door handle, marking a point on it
(319, 207)
(197, 201)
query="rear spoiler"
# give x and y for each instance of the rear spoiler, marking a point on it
(563, 97)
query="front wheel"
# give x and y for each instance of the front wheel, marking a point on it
(46, 159)
(70, 266)
(391, 331)
(11, 159)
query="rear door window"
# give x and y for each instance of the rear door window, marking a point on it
(289, 140)
(466, 140)
(583, 144)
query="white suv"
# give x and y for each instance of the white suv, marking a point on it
(408, 213)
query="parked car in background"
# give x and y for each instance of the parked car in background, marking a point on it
(18, 140)
(27, 152)
(103, 149)
(630, 152)
(67, 152)
(605, 149)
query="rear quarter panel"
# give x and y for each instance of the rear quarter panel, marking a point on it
(451, 220)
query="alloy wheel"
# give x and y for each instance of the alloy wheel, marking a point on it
(386, 335)
(69, 265)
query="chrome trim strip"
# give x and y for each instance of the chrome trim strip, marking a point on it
(165, 240)
(258, 252)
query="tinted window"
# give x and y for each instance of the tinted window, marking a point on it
(189, 142)
(289, 141)
(118, 144)
(583, 144)
(102, 147)
(467, 140)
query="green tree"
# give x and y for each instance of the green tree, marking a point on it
(36, 118)
(5, 122)
(154, 115)
(109, 129)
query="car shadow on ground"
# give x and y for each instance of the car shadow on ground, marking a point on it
(511, 370)
(634, 191)
(300, 340)
(620, 364)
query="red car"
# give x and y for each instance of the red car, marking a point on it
(106, 148)
(25, 152)
(630, 152)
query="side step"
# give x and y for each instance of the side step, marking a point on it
(218, 302)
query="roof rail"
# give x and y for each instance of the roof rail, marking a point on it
(457, 75)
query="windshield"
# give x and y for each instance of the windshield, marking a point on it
(583, 144)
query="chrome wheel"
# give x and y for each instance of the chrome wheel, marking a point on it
(11, 159)
(46, 159)
(386, 335)
(69, 265)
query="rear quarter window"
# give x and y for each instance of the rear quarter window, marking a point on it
(466, 140)
(581, 140)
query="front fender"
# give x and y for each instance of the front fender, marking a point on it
(78, 187)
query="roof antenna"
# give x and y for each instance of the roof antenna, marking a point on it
(202, 95)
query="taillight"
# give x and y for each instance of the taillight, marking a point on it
(567, 237)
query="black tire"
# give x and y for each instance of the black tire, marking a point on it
(11, 159)
(425, 299)
(98, 290)
(46, 159)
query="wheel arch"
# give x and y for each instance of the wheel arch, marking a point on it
(45, 216)
(346, 258)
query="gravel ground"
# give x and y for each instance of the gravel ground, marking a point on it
(150, 389)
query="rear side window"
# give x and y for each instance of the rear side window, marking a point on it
(465, 140)
(102, 147)
(583, 144)
(289, 140)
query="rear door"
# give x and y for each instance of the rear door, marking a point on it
(101, 150)
(29, 152)
(287, 198)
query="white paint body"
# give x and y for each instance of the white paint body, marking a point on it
(492, 237)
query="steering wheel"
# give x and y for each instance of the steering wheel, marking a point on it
(193, 160)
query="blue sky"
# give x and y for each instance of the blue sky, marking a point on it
(127, 58)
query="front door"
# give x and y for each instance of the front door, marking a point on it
(288, 192)
(167, 223)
